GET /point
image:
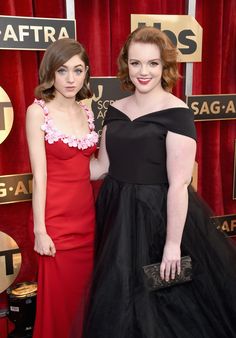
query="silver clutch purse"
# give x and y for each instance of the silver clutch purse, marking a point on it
(153, 279)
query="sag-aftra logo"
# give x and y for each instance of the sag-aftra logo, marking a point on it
(33, 33)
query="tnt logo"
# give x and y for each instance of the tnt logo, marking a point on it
(6, 115)
(183, 30)
(10, 261)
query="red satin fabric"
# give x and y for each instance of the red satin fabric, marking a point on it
(61, 292)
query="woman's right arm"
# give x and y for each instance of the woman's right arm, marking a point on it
(35, 138)
(99, 166)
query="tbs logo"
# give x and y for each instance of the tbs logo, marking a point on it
(183, 30)
(183, 38)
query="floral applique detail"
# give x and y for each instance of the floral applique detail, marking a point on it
(52, 134)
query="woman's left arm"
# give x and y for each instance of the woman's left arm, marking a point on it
(99, 166)
(181, 151)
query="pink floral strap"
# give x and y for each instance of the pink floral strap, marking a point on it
(42, 104)
(90, 116)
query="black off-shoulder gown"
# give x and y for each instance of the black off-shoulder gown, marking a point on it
(131, 230)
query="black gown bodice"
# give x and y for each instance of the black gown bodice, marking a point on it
(137, 150)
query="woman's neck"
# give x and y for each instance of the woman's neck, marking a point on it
(153, 98)
(63, 103)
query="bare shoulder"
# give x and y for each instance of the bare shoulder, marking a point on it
(34, 115)
(34, 110)
(174, 101)
(121, 104)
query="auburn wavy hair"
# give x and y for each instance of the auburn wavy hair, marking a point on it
(168, 54)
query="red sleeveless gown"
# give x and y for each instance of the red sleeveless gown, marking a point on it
(70, 220)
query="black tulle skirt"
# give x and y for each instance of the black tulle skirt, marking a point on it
(131, 230)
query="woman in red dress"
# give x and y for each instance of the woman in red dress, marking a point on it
(61, 140)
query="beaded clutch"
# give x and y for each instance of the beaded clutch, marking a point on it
(153, 279)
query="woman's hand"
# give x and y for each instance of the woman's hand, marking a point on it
(44, 245)
(171, 264)
(99, 166)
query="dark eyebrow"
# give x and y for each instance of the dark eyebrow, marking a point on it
(79, 65)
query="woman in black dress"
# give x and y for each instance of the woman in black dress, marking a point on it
(147, 212)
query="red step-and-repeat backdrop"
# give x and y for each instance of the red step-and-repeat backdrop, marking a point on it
(208, 41)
